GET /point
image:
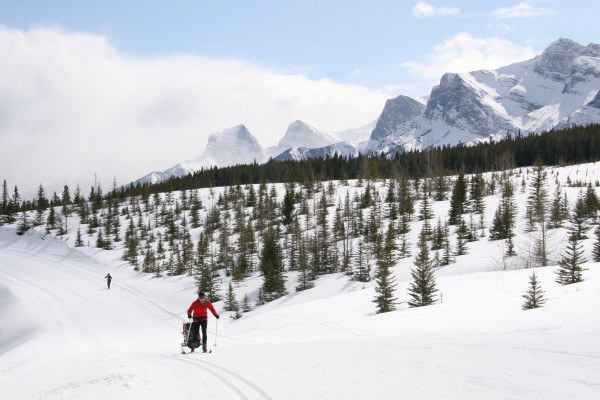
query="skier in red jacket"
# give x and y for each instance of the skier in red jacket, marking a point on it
(199, 312)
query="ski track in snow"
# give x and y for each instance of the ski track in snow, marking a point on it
(235, 385)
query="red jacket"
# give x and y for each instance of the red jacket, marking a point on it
(197, 309)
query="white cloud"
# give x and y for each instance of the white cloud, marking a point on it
(464, 53)
(422, 9)
(522, 10)
(72, 105)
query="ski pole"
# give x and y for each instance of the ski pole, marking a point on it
(216, 332)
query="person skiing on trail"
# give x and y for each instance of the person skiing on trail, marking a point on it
(108, 279)
(199, 312)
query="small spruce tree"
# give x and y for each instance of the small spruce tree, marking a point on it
(534, 297)
(230, 300)
(569, 267)
(422, 288)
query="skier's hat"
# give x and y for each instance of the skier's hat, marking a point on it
(201, 294)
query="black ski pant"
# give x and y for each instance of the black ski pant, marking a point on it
(198, 323)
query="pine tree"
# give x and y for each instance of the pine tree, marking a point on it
(569, 267)
(462, 235)
(24, 224)
(537, 201)
(305, 277)
(246, 305)
(503, 224)
(288, 205)
(78, 240)
(362, 270)
(271, 267)
(231, 303)
(534, 297)
(557, 215)
(476, 193)
(458, 199)
(596, 249)
(423, 287)
(385, 282)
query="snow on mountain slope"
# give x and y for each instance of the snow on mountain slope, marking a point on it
(234, 145)
(549, 91)
(64, 335)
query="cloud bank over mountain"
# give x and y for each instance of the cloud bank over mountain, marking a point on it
(74, 105)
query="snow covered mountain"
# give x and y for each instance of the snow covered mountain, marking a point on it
(237, 145)
(558, 88)
(234, 145)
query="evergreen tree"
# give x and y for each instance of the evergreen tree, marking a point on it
(458, 199)
(271, 267)
(231, 303)
(362, 270)
(288, 205)
(596, 249)
(462, 235)
(537, 201)
(24, 224)
(78, 240)
(423, 287)
(557, 214)
(477, 193)
(570, 265)
(385, 283)
(503, 224)
(534, 297)
(579, 222)
(246, 305)
(305, 277)
(425, 212)
(51, 221)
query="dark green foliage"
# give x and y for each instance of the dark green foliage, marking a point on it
(477, 193)
(385, 281)
(271, 267)
(534, 297)
(537, 201)
(230, 303)
(458, 200)
(503, 224)
(596, 250)
(423, 288)
(569, 267)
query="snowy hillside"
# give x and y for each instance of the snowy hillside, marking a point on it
(64, 335)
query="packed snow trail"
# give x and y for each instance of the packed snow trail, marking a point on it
(63, 335)
(69, 313)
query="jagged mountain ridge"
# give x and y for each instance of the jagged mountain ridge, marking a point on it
(556, 89)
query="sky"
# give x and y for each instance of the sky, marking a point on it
(115, 90)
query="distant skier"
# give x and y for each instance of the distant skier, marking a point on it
(108, 279)
(199, 312)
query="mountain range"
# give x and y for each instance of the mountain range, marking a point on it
(556, 89)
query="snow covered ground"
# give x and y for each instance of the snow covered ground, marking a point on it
(63, 335)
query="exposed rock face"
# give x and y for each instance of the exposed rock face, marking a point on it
(395, 113)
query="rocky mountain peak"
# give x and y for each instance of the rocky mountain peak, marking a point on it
(300, 133)
(396, 112)
(236, 134)
(558, 58)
